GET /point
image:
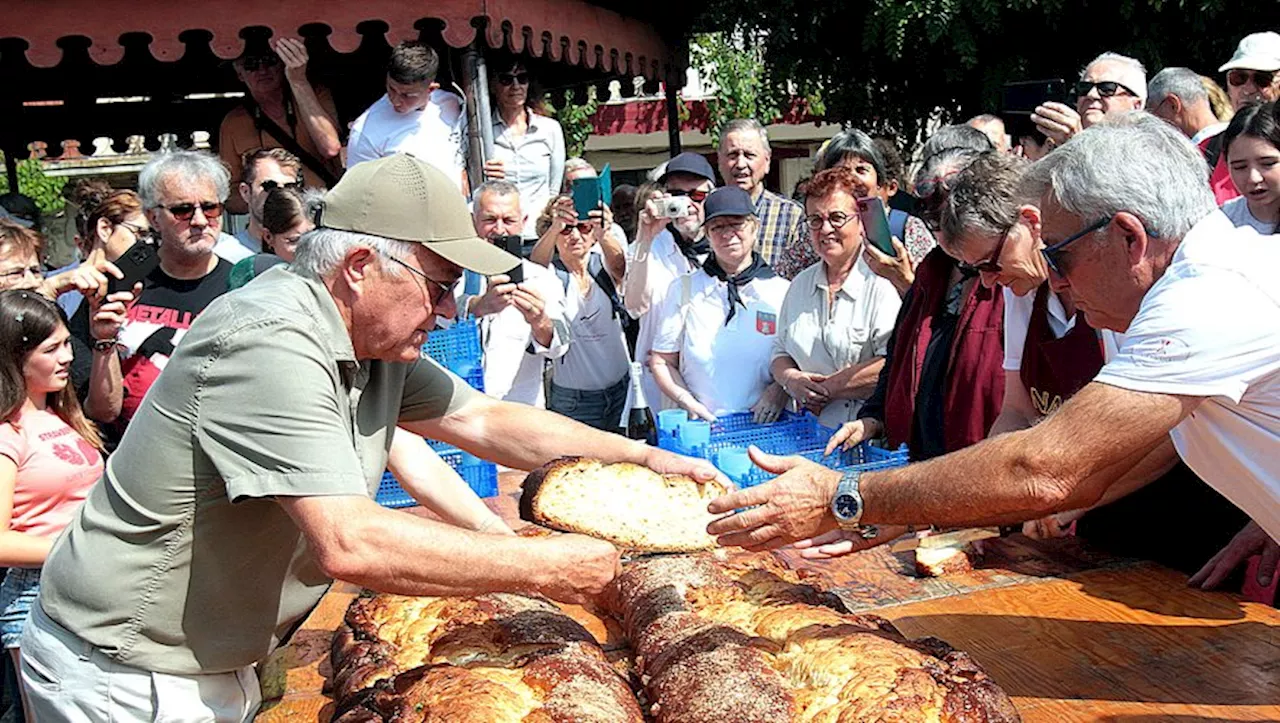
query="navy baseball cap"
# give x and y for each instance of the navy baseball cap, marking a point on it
(727, 201)
(689, 162)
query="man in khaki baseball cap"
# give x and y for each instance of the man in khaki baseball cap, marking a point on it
(405, 199)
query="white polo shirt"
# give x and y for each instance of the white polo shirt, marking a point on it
(825, 338)
(725, 365)
(665, 263)
(1210, 327)
(436, 134)
(511, 372)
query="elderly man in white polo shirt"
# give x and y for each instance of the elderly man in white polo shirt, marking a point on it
(1131, 229)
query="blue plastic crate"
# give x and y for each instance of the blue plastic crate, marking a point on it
(865, 457)
(480, 475)
(792, 433)
(458, 349)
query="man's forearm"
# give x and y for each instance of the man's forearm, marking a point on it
(322, 128)
(545, 249)
(857, 381)
(106, 388)
(635, 284)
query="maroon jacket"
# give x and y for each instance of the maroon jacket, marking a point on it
(975, 372)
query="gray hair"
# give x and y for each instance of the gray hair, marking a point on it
(578, 163)
(1182, 82)
(188, 166)
(497, 188)
(321, 250)
(745, 125)
(1132, 64)
(1135, 163)
(984, 197)
(958, 135)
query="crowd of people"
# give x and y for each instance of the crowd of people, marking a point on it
(1077, 329)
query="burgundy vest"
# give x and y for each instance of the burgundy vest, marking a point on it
(1055, 369)
(974, 383)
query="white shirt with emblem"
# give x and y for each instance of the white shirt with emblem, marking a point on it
(664, 263)
(1210, 328)
(436, 134)
(724, 364)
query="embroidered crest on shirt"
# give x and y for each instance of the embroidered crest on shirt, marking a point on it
(766, 323)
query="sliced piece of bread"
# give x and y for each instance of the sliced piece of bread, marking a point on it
(629, 505)
(937, 561)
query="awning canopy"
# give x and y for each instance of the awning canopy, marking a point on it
(80, 69)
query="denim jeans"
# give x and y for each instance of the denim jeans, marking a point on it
(599, 408)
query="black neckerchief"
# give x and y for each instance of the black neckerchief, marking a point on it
(691, 249)
(757, 270)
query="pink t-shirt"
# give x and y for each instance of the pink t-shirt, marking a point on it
(56, 468)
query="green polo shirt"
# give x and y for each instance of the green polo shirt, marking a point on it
(180, 560)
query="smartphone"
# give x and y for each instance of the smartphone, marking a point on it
(513, 245)
(136, 264)
(1024, 96)
(875, 225)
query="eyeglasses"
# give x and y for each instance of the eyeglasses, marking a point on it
(253, 62)
(1261, 78)
(1106, 88)
(442, 290)
(271, 184)
(145, 234)
(695, 196)
(186, 211)
(992, 265)
(513, 78)
(837, 219)
(1053, 254)
(583, 228)
(35, 271)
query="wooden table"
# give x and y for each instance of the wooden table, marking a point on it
(1070, 634)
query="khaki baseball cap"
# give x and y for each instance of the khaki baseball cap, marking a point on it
(403, 198)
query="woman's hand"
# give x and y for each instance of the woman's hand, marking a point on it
(602, 218)
(696, 409)
(805, 387)
(495, 170)
(897, 269)
(1056, 525)
(769, 406)
(851, 434)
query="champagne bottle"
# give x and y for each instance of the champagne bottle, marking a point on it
(640, 421)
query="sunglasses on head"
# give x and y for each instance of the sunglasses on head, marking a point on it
(1261, 78)
(271, 185)
(253, 62)
(695, 196)
(187, 211)
(584, 228)
(521, 78)
(1106, 88)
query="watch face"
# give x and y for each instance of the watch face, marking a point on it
(845, 507)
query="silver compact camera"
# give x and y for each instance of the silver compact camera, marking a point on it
(675, 206)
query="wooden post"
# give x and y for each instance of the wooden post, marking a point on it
(475, 83)
(673, 86)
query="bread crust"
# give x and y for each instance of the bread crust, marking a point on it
(935, 562)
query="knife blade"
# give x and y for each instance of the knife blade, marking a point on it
(946, 539)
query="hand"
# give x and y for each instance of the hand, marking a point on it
(293, 53)
(110, 314)
(495, 170)
(1057, 121)
(696, 409)
(563, 214)
(89, 279)
(496, 298)
(530, 305)
(805, 387)
(700, 470)
(794, 506)
(579, 569)
(651, 219)
(851, 434)
(602, 217)
(897, 269)
(838, 543)
(770, 405)
(1250, 541)
(1053, 526)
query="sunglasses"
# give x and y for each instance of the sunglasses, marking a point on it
(991, 265)
(513, 78)
(583, 228)
(1053, 254)
(1106, 88)
(254, 62)
(1261, 78)
(187, 211)
(35, 271)
(695, 196)
(271, 185)
(836, 219)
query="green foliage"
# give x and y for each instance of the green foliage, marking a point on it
(575, 121)
(46, 191)
(890, 66)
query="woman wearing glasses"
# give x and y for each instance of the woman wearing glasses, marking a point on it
(528, 147)
(838, 315)
(1253, 73)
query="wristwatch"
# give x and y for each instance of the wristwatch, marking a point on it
(847, 506)
(104, 345)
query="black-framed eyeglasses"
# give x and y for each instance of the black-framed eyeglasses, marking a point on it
(186, 211)
(272, 184)
(992, 265)
(837, 219)
(697, 196)
(253, 62)
(1106, 88)
(35, 271)
(1240, 76)
(513, 78)
(145, 234)
(1053, 254)
(442, 290)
